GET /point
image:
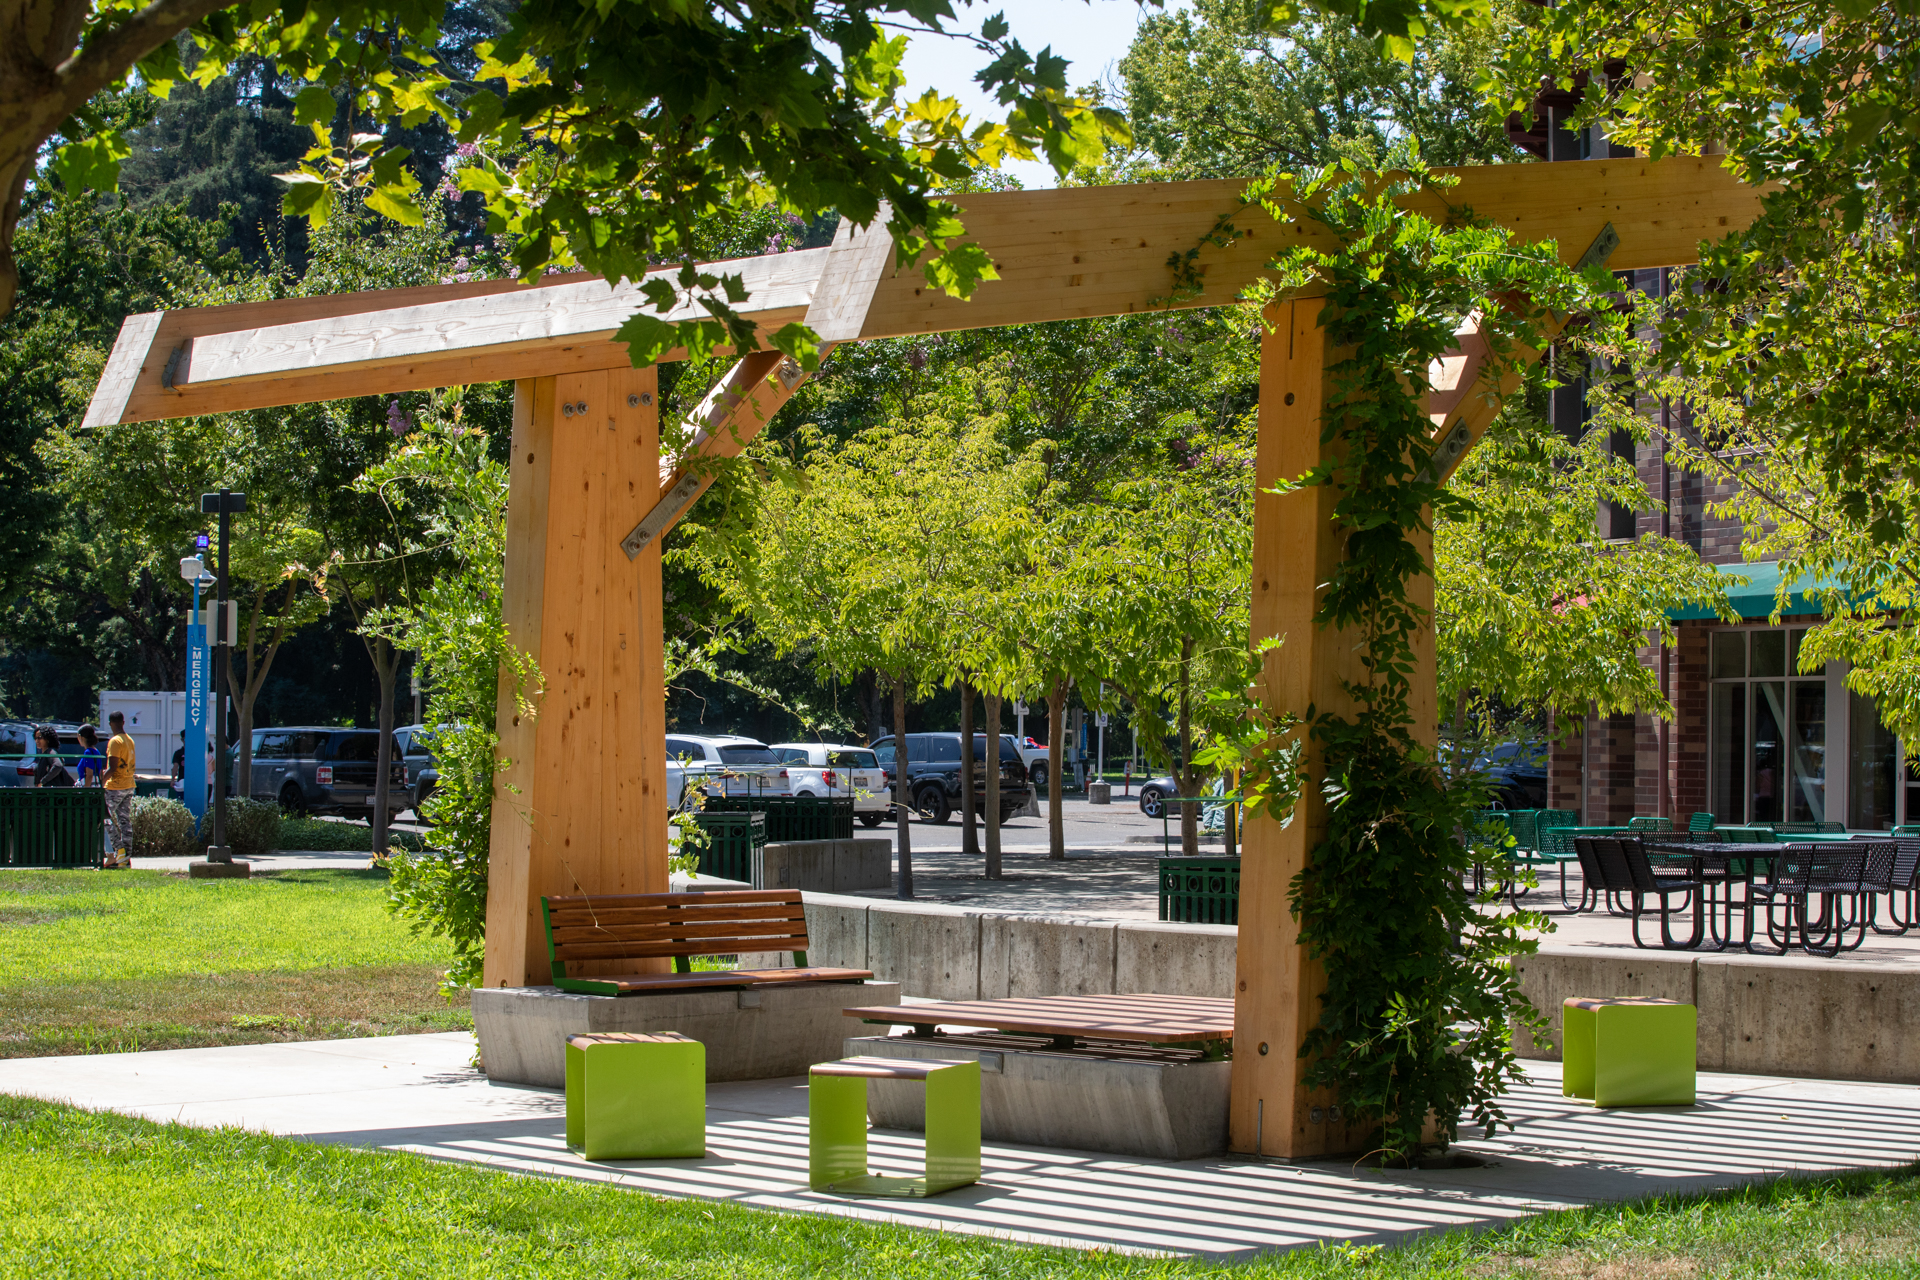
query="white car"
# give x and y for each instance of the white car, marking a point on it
(723, 766)
(835, 769)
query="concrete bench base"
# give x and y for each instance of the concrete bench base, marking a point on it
(752, 1034)
(1079, 1100)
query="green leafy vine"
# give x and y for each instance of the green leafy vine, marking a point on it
(1416, 1023)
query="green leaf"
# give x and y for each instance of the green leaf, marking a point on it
(396, 202)
(92, 164)
(308, 196)
(800, 342)
(314, 104)
(1865, 119)
(647, 338)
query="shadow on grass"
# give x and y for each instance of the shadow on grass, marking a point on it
(201, 1010)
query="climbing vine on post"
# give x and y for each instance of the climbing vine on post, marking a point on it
(1416, 1020)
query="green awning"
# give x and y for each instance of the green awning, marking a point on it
(1756, 599)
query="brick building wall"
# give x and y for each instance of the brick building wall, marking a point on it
(1690, 707)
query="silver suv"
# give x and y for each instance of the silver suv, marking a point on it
(323, 770)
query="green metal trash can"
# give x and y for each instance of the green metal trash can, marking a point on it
(1200, 890)
(732, 840)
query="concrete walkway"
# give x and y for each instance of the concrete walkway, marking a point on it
(419, 1093)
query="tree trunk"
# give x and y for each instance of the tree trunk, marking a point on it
(993, 786)
(969, 834)
(246, 692)
(386, 664)
(902, 789)
(1056, 761)
(1188, 777)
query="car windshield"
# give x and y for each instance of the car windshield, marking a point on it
(884, 753)
(852, 760)
(747, 753)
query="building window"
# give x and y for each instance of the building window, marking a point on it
(1768, 729)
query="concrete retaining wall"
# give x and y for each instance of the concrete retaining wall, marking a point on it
(950, 953)
(1787, 1017)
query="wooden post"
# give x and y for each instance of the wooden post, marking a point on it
(582, 809)
(1295, 548)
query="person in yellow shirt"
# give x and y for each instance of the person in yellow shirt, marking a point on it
(119, 788)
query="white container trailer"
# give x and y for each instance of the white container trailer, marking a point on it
(154, 722)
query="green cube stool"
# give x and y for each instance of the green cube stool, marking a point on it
(637, 1097)
(1629, 1051)
(837, 1125)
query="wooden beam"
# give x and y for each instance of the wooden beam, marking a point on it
(1078, 252)
(736, 410)
(583, 808)
(257, 355)
(1065, 254)
(740, 406)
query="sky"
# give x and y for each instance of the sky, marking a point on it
(1091, 34)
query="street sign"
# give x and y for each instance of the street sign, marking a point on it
(199, 676)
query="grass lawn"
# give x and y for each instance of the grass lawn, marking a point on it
(90, 1194)
(95, 962)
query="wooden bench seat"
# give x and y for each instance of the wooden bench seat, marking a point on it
(678, 926)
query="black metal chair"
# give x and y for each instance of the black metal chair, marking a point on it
(1626, 873)
(1802, 874)
(1897, 881)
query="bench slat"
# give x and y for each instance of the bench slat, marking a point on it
(665, 923)
(565, 901)
(582, 951)
(684, 929)
(688, 931)
(691, 904)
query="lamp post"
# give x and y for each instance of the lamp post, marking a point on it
(225, 504)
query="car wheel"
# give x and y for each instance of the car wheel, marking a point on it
(1153, 801)
(291, 801)
(871, 819)
(932, 804)
(1039, 775)
(421, 795)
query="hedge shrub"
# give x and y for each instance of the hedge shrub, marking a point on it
(162, 828)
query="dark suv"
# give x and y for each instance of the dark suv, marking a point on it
(321, 770)
(933, 773)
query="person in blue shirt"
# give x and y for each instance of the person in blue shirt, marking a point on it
(93, 761)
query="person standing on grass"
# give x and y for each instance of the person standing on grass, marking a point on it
(93, 762)
(49, 770)
(119, 787)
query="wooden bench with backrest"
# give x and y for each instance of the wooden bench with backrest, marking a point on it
(645, 926)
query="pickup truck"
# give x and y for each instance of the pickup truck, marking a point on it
(723, 766)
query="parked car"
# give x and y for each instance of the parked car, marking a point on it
(723, 766)
(933, 773)
(422, 772)
(1154, 793)
(835, 769)
(1516, 773)
(19, 753)
(321, 769)
(1034, 756)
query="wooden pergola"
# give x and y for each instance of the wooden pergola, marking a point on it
(583, 809)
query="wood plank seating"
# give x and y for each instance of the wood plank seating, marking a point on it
(640, 926)
(1198, 1021)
